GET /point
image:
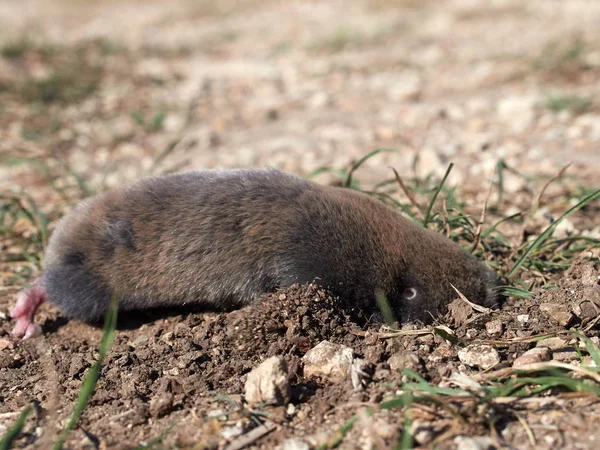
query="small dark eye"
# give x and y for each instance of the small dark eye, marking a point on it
(410, 293)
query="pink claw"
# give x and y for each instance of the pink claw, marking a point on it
(27, 304)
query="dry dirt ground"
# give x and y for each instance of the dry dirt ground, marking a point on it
(95, 94)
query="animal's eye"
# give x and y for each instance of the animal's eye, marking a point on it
(410, 293)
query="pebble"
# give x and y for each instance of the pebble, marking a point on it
(6, 344)
(535, 355)
(230, 433)
(294, 444)
(565, 356)
(523, 318)
(332, 361)
(474, 443)
(268, 383)
(403, 360)
(494, 328)
(553, 343)
(517, 112)
(557, 312)
(587, 310)
(421, 432)
(479, 355)
(162, 405)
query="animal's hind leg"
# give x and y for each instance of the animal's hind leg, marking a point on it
(28, 302)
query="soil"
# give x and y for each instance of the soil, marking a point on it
(183, 374)
(96, 94)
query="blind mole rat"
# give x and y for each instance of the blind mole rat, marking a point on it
(223, 237)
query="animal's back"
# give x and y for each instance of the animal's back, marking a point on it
(216, 237)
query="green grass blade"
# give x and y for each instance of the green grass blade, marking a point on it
(405, 209)
(447, 336)
(384, 307)
(515, 292)
(548, 232)
(591, 348)
(549, 382)
(164, 154)
(361, 161)
(491, 229)
(12, 433)
(339, 436)
(87, 388)
(406, 441)
(435, 195)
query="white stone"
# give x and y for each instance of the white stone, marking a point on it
(494, 327)
(294, 444)
(479, 355)
(523, 318)
(329, 360)
(474, 443)
(231, 432)
(268, 383)
(517, 112)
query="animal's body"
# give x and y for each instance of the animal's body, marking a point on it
(222, 238)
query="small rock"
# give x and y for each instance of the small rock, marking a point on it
(479, 355)
(77, 366)
(319, 100)
(474, 443)
(535, 355)
(6, 344)
(230, 433)
(421, 432)
(332, 361)
(218, 414)
(291, 409)
(357, 373)
(294, 444)
(385, 133)
(161, 406)
(403, 360)
(557, 312)
(472, 333)
(407, 86)
(523, 318)
(564, 229)
(586, 310)
(268, 383)
(460, 311)
(553, 343)
(494, 328)
(565, 355)
(517, 112)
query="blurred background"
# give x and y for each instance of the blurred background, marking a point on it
(96, 93)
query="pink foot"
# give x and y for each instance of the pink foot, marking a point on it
(27, 304)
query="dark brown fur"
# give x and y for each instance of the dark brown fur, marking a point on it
(222, 238)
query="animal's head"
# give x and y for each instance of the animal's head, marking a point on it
(431, 265)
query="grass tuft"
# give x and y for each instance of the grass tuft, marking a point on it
(435, 195)
(537, 243)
